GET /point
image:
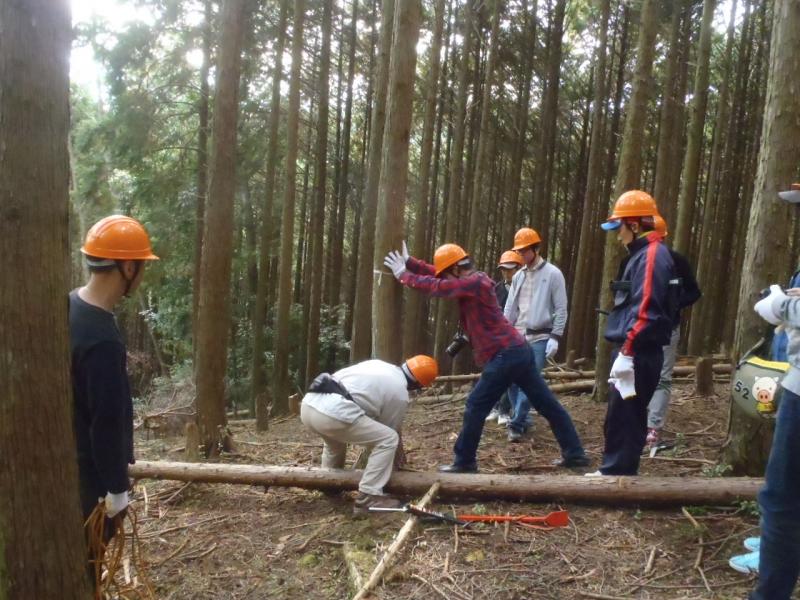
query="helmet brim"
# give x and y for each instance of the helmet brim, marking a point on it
(791, 196)
(611, 225)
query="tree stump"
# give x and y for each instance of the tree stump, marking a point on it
(192, 452)
(294, 404)
(571, 359)
(704, 377)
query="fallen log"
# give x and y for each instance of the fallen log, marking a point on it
(678, 370)
(616, 491)
(584, 385)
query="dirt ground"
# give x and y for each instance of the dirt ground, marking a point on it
(217, 541)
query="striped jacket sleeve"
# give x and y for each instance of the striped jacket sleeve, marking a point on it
(649, 285)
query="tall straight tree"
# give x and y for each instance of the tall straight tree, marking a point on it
(315, 265)
(668, 136)
(476, 213)
(213, 319)
(259, 391)
(281, 376)
(582, 280)
(545, 151)
(521, 118)
(445, 316)
(416, 313)
(693, 156)
(344, 183)
(202, 166)
(702, 315)
(388, 295)
(42, 552)
(770, 221)
(629, 172)
(361, 343)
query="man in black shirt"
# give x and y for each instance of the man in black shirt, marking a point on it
(687, 293)
(115, 251)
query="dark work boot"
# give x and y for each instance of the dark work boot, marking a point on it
(366, 501)
(454, 468)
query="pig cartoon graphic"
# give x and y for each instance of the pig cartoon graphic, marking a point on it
(764, 389)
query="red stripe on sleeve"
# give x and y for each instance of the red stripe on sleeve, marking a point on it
(641, 319)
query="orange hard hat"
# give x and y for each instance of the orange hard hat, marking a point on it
(526, 237)
(634, 203)
(118, 238)
(510, 256)
(423, 368)
(661, 226)
(446, 256)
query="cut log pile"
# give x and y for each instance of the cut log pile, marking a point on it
(615, 491)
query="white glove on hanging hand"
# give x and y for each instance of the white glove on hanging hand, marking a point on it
(767, 308)
(116, 503)
(622, 376)
(395, 263)
(552, 348)
(404, 252)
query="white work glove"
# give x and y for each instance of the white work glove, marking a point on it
(394, 261)
(622, 376)
(768, 308)
(404, 252)
(116, 503)
(552, 348)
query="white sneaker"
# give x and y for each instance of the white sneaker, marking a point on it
(593, 474)
(492, 416)
(503, 419)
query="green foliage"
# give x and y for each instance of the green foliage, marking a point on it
(749, 508)
(718, 470)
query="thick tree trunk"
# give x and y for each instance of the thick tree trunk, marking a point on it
(259, 391)
(281, 376)
(42, 552)
(361, 343)
(579, 323)
(388, 294)
(416, 305)
(214, 317)
(202, 169)
(317, 228)
(692, 159)
(628, 173)
(769, 226)
(614, 491)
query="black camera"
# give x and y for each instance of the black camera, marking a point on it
(458, 342)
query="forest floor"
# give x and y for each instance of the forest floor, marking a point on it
(224, 541)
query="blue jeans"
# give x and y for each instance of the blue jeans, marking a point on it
(779, 500)
(522, 407)
(513, 365)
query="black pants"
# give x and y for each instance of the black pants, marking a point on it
(625, 427)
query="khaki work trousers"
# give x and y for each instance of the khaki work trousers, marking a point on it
(380, 439)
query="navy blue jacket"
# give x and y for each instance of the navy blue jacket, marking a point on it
(642, 316)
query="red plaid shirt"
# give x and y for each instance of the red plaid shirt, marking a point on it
(481, 317)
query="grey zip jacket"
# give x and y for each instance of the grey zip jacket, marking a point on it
(548, 308)
(789, 311)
